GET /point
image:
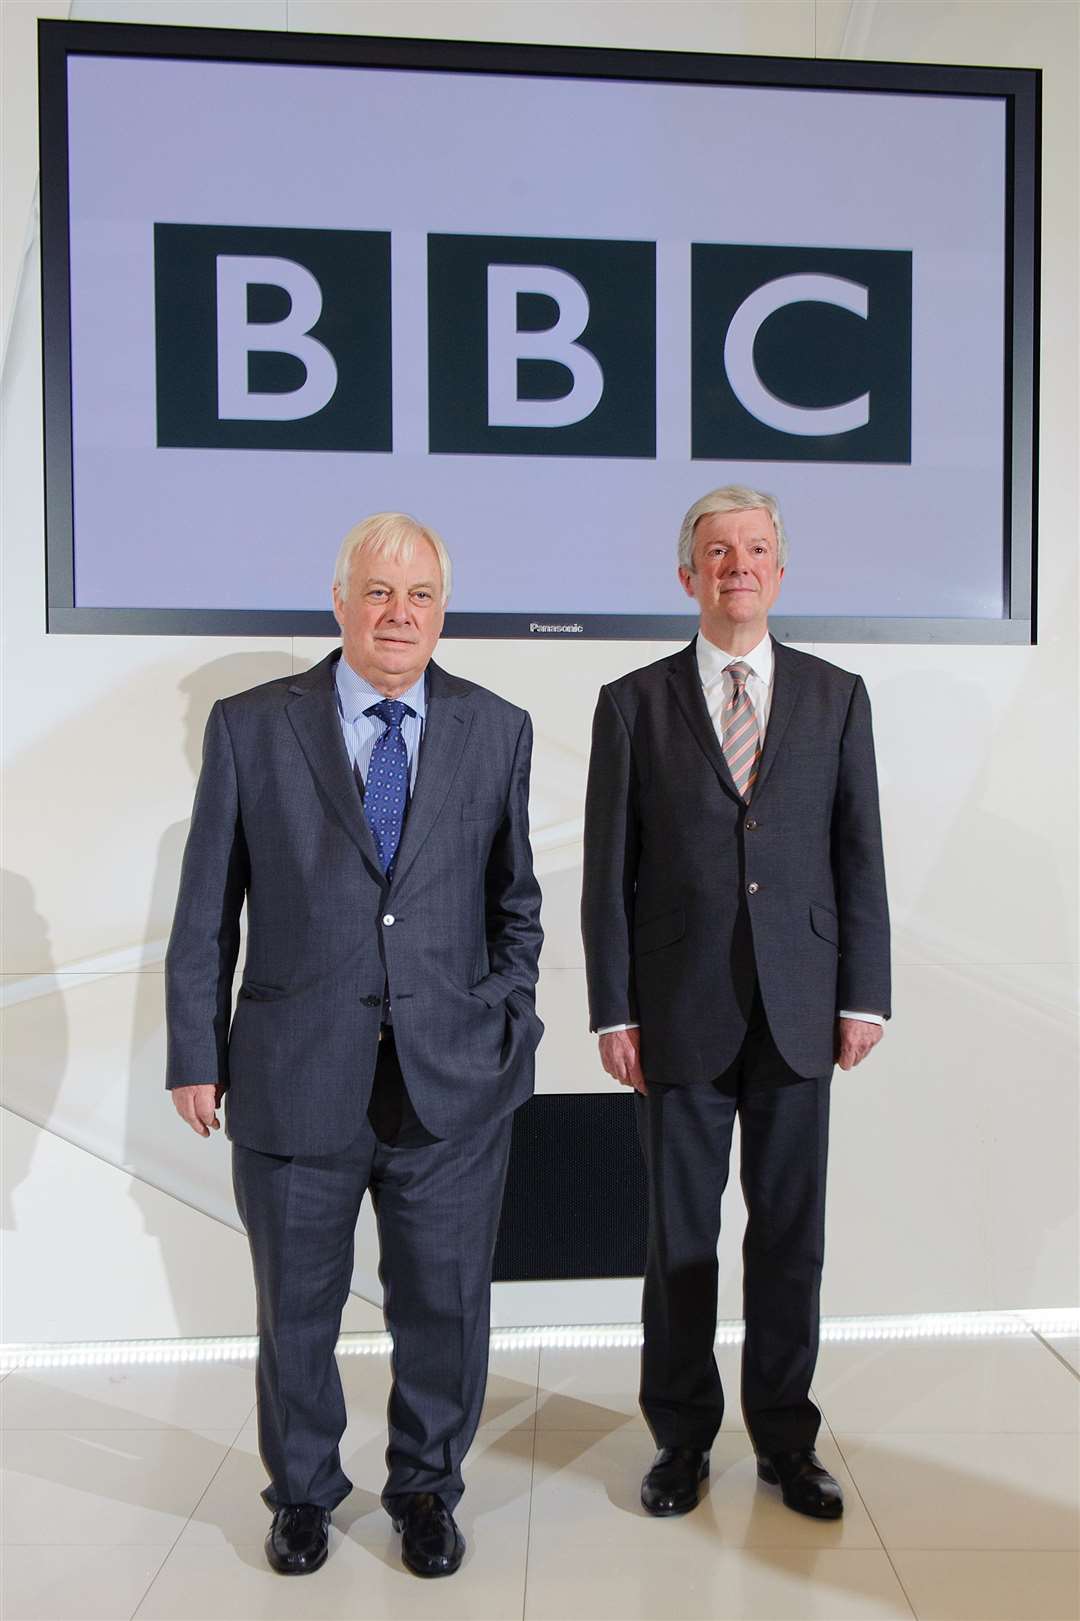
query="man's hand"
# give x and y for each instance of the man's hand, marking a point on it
(854, 1039)
(620, 1054)
(198, 1105)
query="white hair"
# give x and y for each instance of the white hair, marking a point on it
(730, 498)
(392, 535)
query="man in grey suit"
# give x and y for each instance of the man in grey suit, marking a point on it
(372, 814)
(737, 945)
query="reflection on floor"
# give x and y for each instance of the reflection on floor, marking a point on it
(132, 1490)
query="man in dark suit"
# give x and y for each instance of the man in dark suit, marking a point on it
(373, 816)
(737, 945)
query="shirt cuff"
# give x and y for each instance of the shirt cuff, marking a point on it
(844, 1013)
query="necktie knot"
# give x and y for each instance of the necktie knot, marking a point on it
(391, 711)
(739, 673)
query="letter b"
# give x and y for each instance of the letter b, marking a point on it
(507, 344)
(272, 338)
(238, 337)
(541, 346)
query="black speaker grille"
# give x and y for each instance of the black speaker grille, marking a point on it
(575, 1203)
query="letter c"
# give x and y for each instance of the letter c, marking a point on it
(746, 384)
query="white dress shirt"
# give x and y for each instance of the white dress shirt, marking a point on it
(718, 685)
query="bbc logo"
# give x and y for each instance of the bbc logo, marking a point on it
(279, 339)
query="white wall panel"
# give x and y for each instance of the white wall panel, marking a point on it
(987, 33)
(779, 27)
(90, 1252)
(88, 1062)
(261, 14)
(567, 1059)
(100, 798)
(953, 1178)
(981, 861)
(952, 1158)
(93, 1253)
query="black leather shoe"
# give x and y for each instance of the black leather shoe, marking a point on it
(431, 1544)
(671, 1485)
(296, 1543)
(804, 1482)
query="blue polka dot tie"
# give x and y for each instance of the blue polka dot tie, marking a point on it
(386, 790)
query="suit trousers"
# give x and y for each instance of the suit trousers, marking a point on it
(685, 1133)
(437, 1204)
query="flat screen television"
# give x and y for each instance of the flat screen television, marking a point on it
(543, 299)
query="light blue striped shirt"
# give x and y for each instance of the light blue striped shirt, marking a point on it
(360, 731)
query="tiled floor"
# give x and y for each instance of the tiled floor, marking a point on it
(133, 1491)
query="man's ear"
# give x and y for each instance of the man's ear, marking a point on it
(338, 606)
(686, 580)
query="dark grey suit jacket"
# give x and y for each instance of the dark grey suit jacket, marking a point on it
(688, 893)
(279, 823)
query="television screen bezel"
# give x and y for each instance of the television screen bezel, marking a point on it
(1018, 88)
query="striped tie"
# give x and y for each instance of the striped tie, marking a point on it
(742, 740)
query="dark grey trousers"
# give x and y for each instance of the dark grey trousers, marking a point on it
(686, 1134)
(437, 1204)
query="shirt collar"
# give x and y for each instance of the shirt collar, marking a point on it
(354, 694)
(712, 660)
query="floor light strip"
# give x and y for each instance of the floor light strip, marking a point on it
(968, 1325)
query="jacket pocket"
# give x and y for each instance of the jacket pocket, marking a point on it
(261, 993)
(660, 931)
(482, 810)
(491, 990)
(826, 924)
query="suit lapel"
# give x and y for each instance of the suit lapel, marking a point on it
(446, 728)
(313, 714)
(686, 686)
(785, 692)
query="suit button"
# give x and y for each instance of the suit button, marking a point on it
(389, 920)
(751, 825)
(752, 889)
(371, 1001)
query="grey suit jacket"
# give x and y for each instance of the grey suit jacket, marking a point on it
(279, 824)
(688, 894)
